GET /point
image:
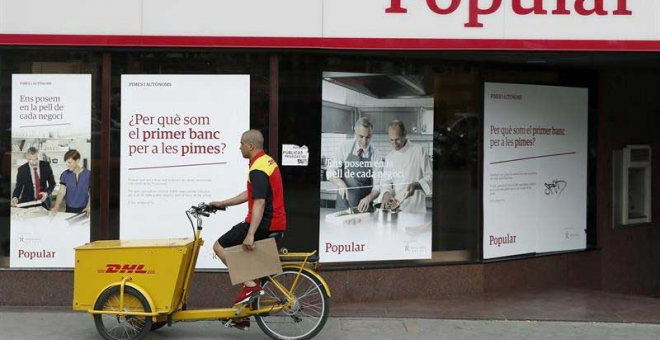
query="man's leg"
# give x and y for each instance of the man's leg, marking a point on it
(220, 251)
(233, 237)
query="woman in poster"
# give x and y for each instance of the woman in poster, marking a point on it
(74, 186)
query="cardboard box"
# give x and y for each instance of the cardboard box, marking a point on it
(246, 265)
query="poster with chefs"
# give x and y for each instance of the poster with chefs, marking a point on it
(50, 168)
(376, 168)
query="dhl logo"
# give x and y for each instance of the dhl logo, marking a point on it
(112, 268)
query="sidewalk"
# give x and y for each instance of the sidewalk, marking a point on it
(543, 305)
(556, 314)
(17, 324)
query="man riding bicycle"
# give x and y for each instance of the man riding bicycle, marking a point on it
(265, 199)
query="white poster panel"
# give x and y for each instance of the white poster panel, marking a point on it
(376, 180)
(51, 115)
(179, 147)
(535, 169)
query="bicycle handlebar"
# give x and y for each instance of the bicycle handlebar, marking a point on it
(204, 209)
(201, 209)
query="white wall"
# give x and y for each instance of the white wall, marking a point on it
(322, 19)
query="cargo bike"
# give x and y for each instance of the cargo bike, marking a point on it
(132, 287)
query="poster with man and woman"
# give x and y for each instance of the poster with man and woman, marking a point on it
(50, 169)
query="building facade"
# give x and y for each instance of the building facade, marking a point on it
(537, 120)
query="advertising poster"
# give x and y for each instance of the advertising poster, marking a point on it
(535, 169)
(50, 168)
(179, 147)
(376, 168)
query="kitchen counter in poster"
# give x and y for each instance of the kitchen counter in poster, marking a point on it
(37, 240)
(372, 237)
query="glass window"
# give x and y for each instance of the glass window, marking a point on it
(43, 61)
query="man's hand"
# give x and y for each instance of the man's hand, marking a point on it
(342, 190)
(410, 190)
(218, 204)
(363, 205)
(248, 243)
(14, 201)
(43, 197)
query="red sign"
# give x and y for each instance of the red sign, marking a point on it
(125, 268)
(539, 7)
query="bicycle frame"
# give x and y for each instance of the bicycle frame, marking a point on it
(246, 310)
(298, 261)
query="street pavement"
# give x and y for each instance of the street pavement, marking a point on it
(20, 323)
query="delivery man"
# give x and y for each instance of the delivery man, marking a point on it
(265, 199)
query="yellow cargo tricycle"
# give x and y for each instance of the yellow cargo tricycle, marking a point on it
(133, 287)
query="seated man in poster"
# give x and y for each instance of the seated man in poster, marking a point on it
(34, 180)
(407, 176)
(354, 170)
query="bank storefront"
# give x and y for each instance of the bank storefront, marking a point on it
(495, 136)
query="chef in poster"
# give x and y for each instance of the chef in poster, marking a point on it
(354, 170)
(407, 175)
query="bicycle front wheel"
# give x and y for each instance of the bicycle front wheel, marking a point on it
(115, 327)
(306, 314)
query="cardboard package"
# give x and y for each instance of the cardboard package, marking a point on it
(246, 265)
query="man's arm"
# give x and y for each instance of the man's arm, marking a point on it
(258, 206)
(20, 186)
(376, 174)
(425, 183)
(387, 182)
(50, 179)
(334, 171)
(236, 200)
(260, 187)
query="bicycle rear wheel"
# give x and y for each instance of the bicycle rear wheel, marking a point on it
(304, 318)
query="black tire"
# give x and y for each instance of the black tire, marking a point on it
(305, 318)
(114, 327)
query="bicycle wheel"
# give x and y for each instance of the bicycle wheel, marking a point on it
(115, 327)
(304, 318)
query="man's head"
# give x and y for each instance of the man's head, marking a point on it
(252, 141)
(32, 156)
(397, 134)
(364, 130)
(72, 159)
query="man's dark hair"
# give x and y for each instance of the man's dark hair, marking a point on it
(32, 151)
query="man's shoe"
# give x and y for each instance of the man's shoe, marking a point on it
(247, 293)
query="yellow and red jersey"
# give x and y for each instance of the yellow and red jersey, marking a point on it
(265, 182)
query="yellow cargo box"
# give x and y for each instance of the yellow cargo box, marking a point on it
(156, 266)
